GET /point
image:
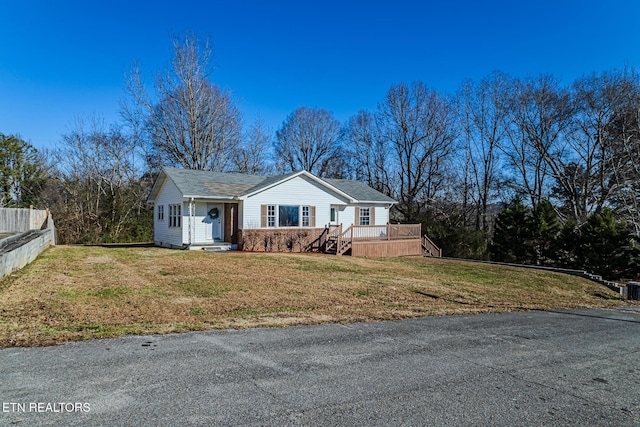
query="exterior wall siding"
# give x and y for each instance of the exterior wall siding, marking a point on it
(202, 230)
(381, 215)
(346, 217)
(296, 191)
(162, 233)
(195, 223)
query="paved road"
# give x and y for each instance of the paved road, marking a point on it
(575, 368)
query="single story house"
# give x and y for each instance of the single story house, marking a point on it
(297, 211)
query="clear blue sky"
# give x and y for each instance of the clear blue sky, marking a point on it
(65, 59)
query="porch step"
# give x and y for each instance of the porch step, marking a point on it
(218, 249)
(214, 247)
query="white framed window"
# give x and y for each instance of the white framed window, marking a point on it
(175, 215)
(365, 216)
(288, 215)
(271, 215)
(333, 214)
(160, 212)
(306, 216)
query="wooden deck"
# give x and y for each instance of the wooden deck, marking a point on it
(386, 248)
(390, 240)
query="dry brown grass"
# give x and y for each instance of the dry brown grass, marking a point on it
(75, 293)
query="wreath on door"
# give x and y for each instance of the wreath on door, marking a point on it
(213, 213)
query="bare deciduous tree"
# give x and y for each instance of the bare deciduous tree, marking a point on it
(540, 114)
(309, 139)
(251, 156)
(585, 178)
(188, 121)
(484, 121)
(96, 191)
(624, 151)
(419, 126)
(369, 154)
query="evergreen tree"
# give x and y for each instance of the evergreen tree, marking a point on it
(21, 174)
(512, 235)
(544, 231)
(566, 245)
(607, 247)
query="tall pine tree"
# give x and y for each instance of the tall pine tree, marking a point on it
(512, 235)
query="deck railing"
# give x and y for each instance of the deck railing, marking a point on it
(339, 241)
(374, 233)
(385, 232)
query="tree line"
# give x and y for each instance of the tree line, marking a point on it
(461, 164)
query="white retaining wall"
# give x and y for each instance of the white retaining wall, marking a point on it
(25, 254)
(22, 221)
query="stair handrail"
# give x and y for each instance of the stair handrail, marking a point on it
(431, 248)
(332, 236)
(343, 242)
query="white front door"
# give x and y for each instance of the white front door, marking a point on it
(333, 215)
(214, 213)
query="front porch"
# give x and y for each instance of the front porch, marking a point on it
(211, 225)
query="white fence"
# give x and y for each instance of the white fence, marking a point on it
(21, 220)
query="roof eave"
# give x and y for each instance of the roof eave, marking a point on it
(156, 187)
(295, 175)
(385, 202)
(189, 196)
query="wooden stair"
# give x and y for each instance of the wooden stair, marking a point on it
(338, 242)
(429, 248)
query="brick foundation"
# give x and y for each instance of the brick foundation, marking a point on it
(280, 240)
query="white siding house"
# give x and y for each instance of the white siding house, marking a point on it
(193, 209)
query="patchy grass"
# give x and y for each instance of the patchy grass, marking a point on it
(75, 293)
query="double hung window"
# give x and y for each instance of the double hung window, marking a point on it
(175, 215)
(365, 216)
(271, 215)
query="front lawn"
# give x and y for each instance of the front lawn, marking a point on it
(74, 293)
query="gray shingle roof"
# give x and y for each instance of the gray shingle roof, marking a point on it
(211, 184)
(358, 190)
(194, 183)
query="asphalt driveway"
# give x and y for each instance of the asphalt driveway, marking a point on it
(579, 367)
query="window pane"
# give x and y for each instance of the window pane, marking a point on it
(333, 214)
(288, 216)
(271, 216)
(364, 216)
